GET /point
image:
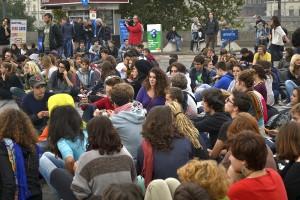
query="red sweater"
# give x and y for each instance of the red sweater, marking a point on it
(135, 34)
(269, 186)
(104, 103)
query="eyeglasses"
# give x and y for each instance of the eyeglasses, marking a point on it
(174, 70)
(228, 100)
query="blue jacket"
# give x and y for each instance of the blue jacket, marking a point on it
(68, 31)
(224, 81)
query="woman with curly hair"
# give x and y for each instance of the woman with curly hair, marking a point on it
(106, 162)
(208, 175)
(19, 157)
(152, 93)
(163, 149)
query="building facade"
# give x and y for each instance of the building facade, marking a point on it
(33, 8)
(254, 7)
(289, 8)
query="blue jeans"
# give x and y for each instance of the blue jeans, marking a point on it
(48, 163)
(290, 86)
(177, 41)
(68, 48)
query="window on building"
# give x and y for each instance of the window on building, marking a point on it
(275, 13)
(291, 12)
(34, 8)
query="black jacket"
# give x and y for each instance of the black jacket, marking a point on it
(172, 35)
(55, 37)
(7, 179)
(12, 81)
(212, 27)
(79, 32)
(211, 124)
(4, 40)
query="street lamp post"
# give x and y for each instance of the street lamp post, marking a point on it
(4, 7)
(279, 10)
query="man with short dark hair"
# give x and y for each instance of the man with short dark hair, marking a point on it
(215, 117)
(198, 73)
(234, 104)
(247, 57)
(35, 102)
(128, 117)
(225, 76)
(52, 38)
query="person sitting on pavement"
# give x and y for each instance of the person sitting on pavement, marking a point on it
(175, 38)
(8, 80)
(103, 103)
(262, 54)
(127, 117)
(152, 93)
(60, 81)
(34, 104)
(86, 78)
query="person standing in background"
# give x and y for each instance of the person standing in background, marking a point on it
(135, 31)
(68, 34)
(4, 32)
(194, 29)
(52, 39)
(211, 31)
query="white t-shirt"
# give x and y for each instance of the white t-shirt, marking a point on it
(119, 68)
(277, 36)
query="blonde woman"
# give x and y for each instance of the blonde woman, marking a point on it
(208, 175)
(186, 128)
(293, 75)
(48, 67)
(30, 69)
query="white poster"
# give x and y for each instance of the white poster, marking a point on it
(18, 29)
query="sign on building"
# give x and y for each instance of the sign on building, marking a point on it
(18, 29)
(154, 35)
(93, 14)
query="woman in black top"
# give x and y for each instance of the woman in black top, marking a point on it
(4, 32)
(8, 79)
(288, 148)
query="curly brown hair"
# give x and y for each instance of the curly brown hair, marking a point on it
(16, 125)
(103, 138)
(162, 82)
(158, 128)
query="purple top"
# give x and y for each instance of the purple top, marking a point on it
(261, 88)
(147, 101)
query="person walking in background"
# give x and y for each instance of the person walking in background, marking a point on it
(135, 31)
(4, 32)
(211, 31)
(52, 39)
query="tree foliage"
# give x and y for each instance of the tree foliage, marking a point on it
(16, 10)
(229, 9)
(166, 12)
(179, 12)
(58, 14)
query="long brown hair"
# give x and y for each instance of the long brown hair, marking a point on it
(158, 128)
(162, 82)
(288, 141)
(103, 136)
(16, 125)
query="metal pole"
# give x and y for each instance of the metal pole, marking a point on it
(279, 10)
(4, 7)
